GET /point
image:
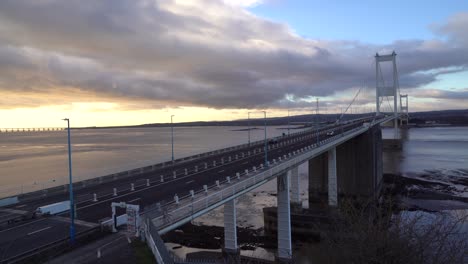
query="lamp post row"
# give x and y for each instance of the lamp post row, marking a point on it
(72, 204)
(70, 186)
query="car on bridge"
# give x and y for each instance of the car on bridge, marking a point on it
(273, 141)
(330, 133)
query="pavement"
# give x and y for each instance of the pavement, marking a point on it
(113, 248)
(34, 233)
(23, 238)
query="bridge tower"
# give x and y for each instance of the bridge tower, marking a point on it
(404, 109)
(387, 90)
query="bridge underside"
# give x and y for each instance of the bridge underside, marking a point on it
(358, 170)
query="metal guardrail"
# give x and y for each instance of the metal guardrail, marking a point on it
(52, 246)
(156, 244)
(34, 191)
(46, 188)
(191, 206)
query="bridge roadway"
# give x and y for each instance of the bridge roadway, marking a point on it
(158, 191)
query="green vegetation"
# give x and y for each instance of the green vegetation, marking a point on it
(142, 253)
(377, 234)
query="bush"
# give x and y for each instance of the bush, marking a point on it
(375, 234)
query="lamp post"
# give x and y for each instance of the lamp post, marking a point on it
(172, 137)
(70, 185)
(266, 146)
(317, 121)
(288, 122)
(248, 124)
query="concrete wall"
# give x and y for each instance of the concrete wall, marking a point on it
(318, 181)
(359, 169)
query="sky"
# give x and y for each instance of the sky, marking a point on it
(125, 62)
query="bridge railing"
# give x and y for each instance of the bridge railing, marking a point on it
(53, 187)
(199, 202)
(60, 185)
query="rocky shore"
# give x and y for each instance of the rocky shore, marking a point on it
(409, 194)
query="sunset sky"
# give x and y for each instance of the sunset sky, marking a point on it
(124, 62)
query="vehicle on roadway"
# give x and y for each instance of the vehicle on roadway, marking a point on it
(273, 141)
(55, 208)
(330, 133)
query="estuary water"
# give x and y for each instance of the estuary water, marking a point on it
(39, 159)
(435, 154)
(431, 148)
(35, 160)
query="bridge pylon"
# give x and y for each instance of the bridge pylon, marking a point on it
(404, 116)
(387, 90)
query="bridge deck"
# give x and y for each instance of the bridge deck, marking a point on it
(218, 168)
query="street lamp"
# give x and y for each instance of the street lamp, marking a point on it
(172, 138)
(248, 124)
(288, 122)
(317, 121)
(70, 185)
(266, 146)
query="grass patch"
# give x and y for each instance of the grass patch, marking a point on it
(142, 253)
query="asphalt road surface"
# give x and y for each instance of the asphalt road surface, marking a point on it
(27, 235)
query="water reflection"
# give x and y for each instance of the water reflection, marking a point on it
(41, 157)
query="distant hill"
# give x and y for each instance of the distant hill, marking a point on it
(453, 117)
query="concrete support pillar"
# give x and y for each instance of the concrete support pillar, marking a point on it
(230, 232)
(294, 178)
(114, 220)
(332, 182)
(284, 219)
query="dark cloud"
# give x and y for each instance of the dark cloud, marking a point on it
(205, 54)
(459, 94)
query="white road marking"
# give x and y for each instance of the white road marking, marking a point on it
(22, 225)
(134, 200)
(113, 198)
(189, 182)
(37, 231)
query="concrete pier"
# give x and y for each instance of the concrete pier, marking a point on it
(231, 250)
(332, 184)
(358, 170)
(296, 202)
(284, 220)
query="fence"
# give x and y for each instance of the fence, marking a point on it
(184, 209)
(55, 186)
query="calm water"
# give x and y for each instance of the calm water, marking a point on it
(428, 149)
(39, 159)
(436, 153)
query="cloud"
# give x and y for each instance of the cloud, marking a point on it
(194, 53)
(459, 94)
(454, 28)
(244, 3)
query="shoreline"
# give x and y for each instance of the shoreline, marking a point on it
(209, 237)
